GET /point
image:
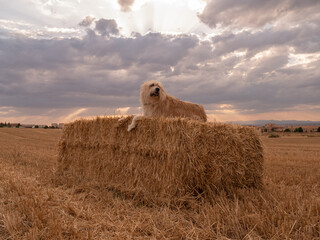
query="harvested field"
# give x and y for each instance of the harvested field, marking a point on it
(162, 160)
(34, 206)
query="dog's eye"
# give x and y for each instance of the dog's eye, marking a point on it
(152, 85)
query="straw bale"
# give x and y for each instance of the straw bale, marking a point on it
(163, 159)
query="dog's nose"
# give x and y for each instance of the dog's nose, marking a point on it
(157, 89)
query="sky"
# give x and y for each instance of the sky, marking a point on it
(243, 60)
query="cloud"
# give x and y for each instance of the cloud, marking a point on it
(107, 72)
(86, 22)
(303, 39)
(107, 27)
(83, 73)
(256, 13)
(125, 5)
(250, 72)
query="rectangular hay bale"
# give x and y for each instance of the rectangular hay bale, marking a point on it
(161, 159)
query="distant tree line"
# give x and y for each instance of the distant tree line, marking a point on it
(299, 129)
(8, 125)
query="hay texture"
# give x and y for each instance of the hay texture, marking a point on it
(162, 159)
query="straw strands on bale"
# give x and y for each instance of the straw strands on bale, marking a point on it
(163, 159)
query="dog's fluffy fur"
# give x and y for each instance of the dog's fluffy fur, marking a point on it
(156, 103)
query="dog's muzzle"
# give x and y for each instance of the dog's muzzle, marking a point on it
(155, 93)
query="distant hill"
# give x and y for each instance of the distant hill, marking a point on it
(278, 122)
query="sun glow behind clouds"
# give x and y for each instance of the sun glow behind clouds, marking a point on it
(165, 16)
(74, 114)
(196, 5)
(301, 59)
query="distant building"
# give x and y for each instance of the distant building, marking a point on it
(57, 125)
(270, 127)
(27, 125)
(278, 129)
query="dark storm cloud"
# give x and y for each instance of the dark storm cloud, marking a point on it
(107, 27)
(125, 4)
(256, 13)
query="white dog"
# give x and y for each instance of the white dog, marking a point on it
(156, 103)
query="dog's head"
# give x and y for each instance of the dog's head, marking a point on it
(151, 92)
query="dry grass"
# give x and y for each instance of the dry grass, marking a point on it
(162, 160)
(33, 206)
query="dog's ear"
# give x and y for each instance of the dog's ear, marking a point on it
(143, 94)
(144, 98)
(163, 94)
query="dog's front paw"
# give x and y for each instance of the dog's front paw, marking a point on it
(130, 127)
(122, 119)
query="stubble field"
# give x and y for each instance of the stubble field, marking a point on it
(33, 205)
